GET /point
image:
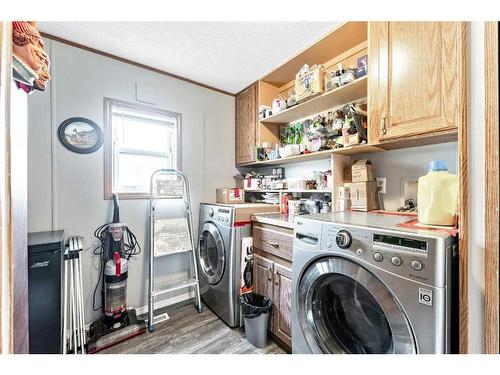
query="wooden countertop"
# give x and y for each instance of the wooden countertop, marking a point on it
(278, 219)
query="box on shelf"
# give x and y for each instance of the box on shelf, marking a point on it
(230, 195)
(344, 192)
(363, 196)
(309, 82)
(352, 139)
(252, 183)
(343, 205)
(296, 183)
(362, 170)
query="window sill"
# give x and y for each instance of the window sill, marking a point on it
(125, 196)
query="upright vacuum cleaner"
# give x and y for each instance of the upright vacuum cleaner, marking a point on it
(117, 245)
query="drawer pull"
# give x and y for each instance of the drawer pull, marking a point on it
(273, 244)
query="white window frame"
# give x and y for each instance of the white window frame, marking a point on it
(109, 151)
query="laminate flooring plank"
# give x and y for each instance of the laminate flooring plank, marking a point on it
(189, 332)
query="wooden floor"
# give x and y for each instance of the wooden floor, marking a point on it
(188, 332)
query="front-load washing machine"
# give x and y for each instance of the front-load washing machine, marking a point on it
(363, 284)
(219, 260)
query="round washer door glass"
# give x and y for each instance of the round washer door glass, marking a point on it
(343, 308)
(212, 253)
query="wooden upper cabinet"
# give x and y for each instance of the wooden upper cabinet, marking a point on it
(246, 125)
(416, 78)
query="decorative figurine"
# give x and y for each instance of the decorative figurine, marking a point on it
(31, 63)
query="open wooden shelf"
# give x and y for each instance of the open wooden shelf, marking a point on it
(411, 141)
(287, 191)
(351, 150)
(343, 37)
(334, 98)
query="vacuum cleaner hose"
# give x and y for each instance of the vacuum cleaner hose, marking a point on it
(116, 209)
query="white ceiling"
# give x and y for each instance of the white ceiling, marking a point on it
(225, 55)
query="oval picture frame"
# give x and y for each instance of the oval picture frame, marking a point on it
(80, 135)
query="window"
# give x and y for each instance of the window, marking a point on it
(138, 141)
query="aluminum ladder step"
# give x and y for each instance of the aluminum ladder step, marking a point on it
(176, 286)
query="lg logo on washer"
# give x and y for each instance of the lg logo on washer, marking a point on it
(425, 296)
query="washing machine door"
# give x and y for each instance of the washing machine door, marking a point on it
(344, 308)
(212, 253)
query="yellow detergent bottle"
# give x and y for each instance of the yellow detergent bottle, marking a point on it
(437, 195)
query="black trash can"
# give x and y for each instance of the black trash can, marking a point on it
(255, 309)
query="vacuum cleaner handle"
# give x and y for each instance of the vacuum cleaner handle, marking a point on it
(116, 209)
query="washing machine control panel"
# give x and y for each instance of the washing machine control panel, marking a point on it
(407, 256)
(222, 216)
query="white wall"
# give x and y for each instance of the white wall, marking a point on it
(408, 163)
(66, 189)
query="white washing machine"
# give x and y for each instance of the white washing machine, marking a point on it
(362, 284)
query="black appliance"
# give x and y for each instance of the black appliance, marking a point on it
(44, 291)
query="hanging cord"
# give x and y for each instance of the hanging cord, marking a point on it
(132, 248)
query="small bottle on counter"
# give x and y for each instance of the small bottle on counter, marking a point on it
(284, 203)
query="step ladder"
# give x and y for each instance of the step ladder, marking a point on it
(170, 236)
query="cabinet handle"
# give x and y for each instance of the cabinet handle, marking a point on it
(276, 279)
(383, 127)
(269, 274)
(273, 244)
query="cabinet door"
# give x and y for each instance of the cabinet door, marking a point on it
(263, 276)
(246, 125)
(263, 269)
(416, 78)
(282, 309)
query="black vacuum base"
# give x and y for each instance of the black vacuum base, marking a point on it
(104, 334)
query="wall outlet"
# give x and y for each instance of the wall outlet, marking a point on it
(409, 187)
(381, 182)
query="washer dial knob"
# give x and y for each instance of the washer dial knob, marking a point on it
(211, 212)
(416, 265)
(378, 257)
(396, 261)
(343, 239)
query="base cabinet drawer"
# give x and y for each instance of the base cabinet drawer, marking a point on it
(275, 240)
